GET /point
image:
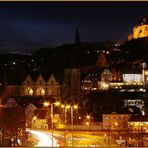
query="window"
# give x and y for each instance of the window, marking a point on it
(29, 91)
(40, 91)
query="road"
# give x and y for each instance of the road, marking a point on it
(79, 139)
(43, 139)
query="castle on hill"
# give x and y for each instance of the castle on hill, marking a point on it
(140, 30)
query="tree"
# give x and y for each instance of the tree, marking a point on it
(12, 122)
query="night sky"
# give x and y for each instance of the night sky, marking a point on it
(25, 27)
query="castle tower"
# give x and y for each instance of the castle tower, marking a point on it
(72, 83)
(140, 30)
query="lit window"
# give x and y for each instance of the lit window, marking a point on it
(29, 91)
(40, 92)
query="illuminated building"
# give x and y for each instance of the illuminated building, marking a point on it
(115, 121)
(42, 87)
(140, 30)
(106, 75)
(138, 123)
(38, 87)
(41, 118)
(132, 81)
(135, 102)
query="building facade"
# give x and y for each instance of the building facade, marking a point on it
(138, 123)
(115, 121)
(40, 87)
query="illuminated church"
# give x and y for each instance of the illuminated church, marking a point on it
(140, 30)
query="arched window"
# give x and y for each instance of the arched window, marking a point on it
(40, 91)
(29, 91)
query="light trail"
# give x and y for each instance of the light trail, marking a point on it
(44, 139)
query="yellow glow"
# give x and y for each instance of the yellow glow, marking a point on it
(57, 103)
(34, 118)
(62, 106)
(75, 106)
(46, 104)
(88, 117)
(68, 106)
(116, 123)
(31, 92)
(136, 123)
(87, 123)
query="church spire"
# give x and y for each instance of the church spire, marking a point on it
(77, 38)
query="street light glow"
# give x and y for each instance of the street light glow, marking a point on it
(88, 116)
(57, 103)
(75, 106)
(62, 106)
(68, 106)
(46, 104)
(116, 123)
(34, 118)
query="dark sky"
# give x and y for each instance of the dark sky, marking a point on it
(28, 26)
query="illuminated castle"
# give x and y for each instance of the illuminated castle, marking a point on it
(140, 30)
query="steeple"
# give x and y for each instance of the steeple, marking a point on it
(77, 38)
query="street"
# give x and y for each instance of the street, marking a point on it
(62, 138)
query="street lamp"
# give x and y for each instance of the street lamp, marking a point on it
(34, 120)
(47, 104)
(116, 124)
(88, 118)
(72, 109)
(72, 126)
(88, 121)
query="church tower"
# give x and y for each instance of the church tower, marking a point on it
(77, 37)
(72, 83)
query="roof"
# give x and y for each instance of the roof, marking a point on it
(130, 70)
(13, 80)
(40, 114)
(46, 76)
(138, 118)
